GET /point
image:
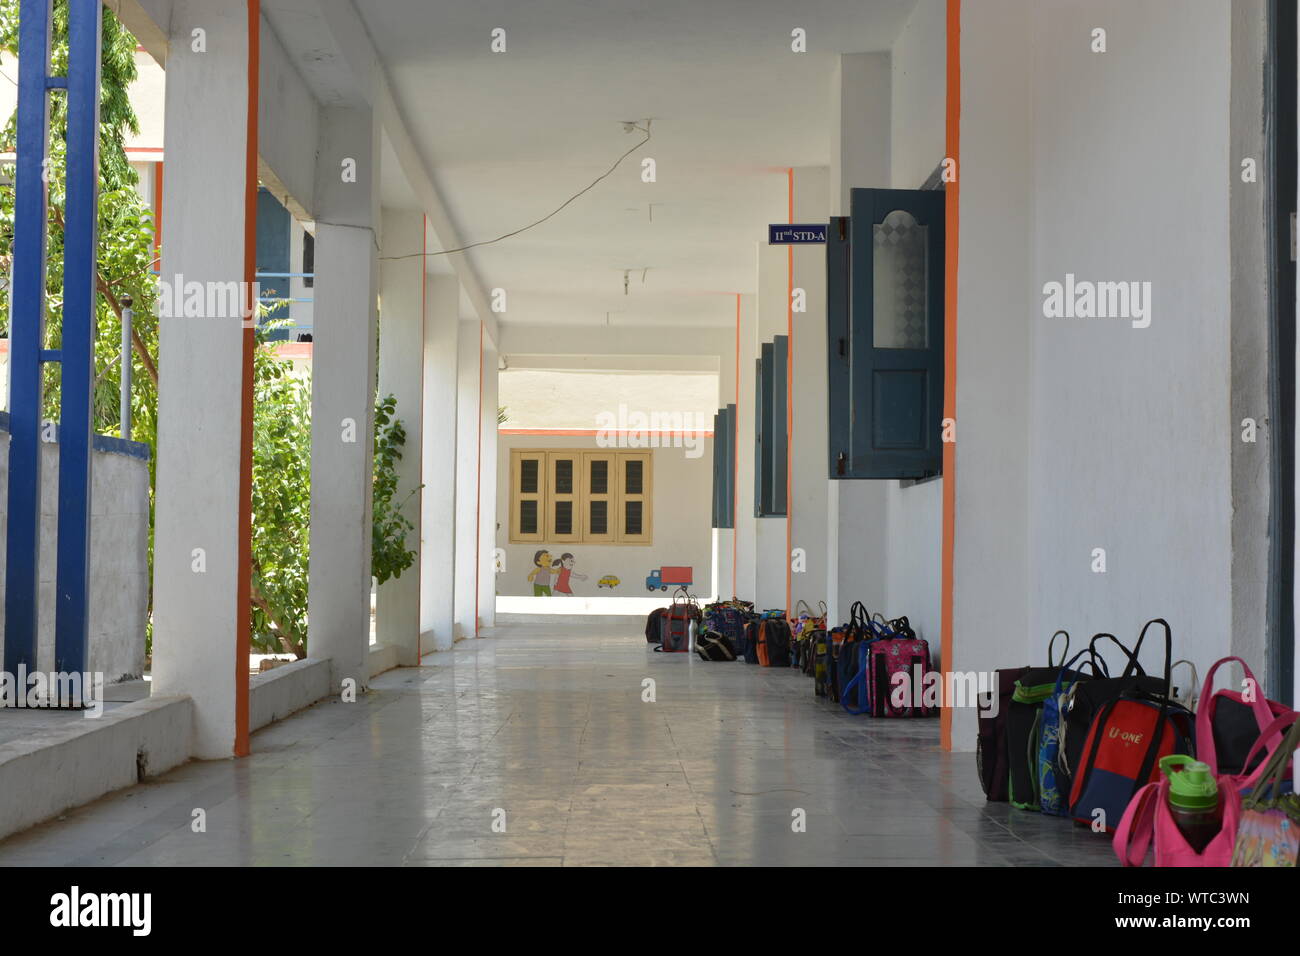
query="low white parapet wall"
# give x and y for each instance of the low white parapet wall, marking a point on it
(119, 553)
(50, 770)
(281, 691)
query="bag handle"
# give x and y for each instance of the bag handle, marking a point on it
(1271, 737)
(1274, 770)
(1070, 663)
(1132, 656)
(1052, 643)
(1204, 733)
(1138, 825)
(1153, 748)
(1137, 649)
(1196, 680)
(857, 619)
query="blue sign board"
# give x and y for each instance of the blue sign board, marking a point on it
(793, 234)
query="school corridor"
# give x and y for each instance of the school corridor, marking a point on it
(535, 747)
(373, 368)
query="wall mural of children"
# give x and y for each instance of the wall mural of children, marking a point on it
(540, 575)
(563, 568)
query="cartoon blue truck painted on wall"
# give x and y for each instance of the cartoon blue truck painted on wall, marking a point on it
(669, 577)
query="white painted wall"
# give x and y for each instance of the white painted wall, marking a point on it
(119, 559)
(440, 456)
(197, 491)
(857, 511)
(746, 530)
(808, 442)
(488, 516)
(401, 374)
(682, 491)
(1130, 432)
(914, 514)
(467, 478)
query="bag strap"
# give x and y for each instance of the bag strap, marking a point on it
(1274, 771)
(1204, 732)
(1195, 685)
(1138, 825)
(1130, 655)
(1137, 649)
(1271, 737)
(1153, 746)
(1052, 643)
(1065, 668)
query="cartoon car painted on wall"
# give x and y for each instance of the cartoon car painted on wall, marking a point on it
(669, 577)
(610, 581)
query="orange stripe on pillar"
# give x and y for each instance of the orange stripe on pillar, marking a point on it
(789, 403)
(952, 134)
(244, 523)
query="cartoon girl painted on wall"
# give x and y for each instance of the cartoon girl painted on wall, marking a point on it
(563, 568)
(540, 575)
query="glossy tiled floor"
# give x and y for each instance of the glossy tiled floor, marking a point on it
(546, 722)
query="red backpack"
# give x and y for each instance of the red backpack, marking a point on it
(1125, 742)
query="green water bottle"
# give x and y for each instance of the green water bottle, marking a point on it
(1193, 799)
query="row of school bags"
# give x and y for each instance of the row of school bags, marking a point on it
(868, 666)
(1072, 740)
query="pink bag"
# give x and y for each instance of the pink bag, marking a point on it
(1148, 816)
(1232, 722)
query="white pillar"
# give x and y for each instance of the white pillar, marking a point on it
(438, 523)
(771, 559)
(746, 524)
(468, 420)
(401, 369)
(809, 494)
(343, 389)
(487, 501)
(196, 546)
(857, 511)
(724, 538)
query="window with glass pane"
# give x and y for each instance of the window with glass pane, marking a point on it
(632, 482)
(899, 283)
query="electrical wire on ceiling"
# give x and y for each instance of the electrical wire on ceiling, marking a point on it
(627, 127)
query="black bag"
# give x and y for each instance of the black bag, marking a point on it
(654, 625)
(1024, 712)
(1087, 699)
(991, 758)
(714, 646)
(773, 644)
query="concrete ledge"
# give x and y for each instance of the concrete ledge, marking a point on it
(283, 690)
(382, 658)
(49, 771)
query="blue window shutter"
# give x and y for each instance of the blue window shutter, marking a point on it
(717, 472)
(762, 428)
(729, 475)
(896, 385)
(780, 443)
(839, 335)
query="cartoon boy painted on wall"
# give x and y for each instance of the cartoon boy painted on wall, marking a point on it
(563, 568)
(540, 575)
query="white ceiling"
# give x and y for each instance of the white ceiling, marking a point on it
(509, 136)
